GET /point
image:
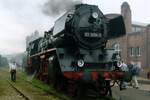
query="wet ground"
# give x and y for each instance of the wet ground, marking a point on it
(143, 93)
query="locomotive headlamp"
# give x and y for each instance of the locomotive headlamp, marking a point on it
(95, 15)
(80, 63)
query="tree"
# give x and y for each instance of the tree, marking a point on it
(3, 61)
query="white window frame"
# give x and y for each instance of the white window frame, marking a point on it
(138, 51)
(132, 51)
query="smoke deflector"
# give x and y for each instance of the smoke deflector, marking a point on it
(116, 26)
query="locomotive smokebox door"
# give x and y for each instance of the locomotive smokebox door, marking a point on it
(116, 26)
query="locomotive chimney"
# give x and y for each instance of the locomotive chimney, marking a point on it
(126, 13)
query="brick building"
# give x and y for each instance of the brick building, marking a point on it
(135, 45)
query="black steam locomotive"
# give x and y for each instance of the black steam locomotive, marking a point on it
(73, 53)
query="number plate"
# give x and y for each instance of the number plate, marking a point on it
(86, 34)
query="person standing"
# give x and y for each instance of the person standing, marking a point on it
(130, 67)
(135, 72)
(123, 67)
(12, 68)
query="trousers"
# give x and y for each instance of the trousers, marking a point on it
(13, 75)
(134, 81)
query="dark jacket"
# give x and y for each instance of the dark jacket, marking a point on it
(135, 70)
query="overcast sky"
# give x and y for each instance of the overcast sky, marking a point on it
(19, 18)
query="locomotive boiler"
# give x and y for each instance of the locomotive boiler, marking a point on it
(73, 53)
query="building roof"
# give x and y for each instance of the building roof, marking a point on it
(139, 24)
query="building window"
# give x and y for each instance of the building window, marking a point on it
(138, 51)
(135, 51)
(133, 29)
(132, 51)
(137, 29)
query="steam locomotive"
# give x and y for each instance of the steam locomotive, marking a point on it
(73, 53)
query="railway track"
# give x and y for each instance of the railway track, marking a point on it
(7, 90)
(25, 90)
(18, 91)
(21, 89)
(25, 97)
(50, 92)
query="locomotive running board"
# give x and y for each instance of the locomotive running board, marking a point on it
(46, 51)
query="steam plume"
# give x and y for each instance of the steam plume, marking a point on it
(55, 7)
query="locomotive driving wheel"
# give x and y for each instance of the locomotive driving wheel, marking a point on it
(58, 80)
(94, 91)
(71, 87)
(105, 88)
